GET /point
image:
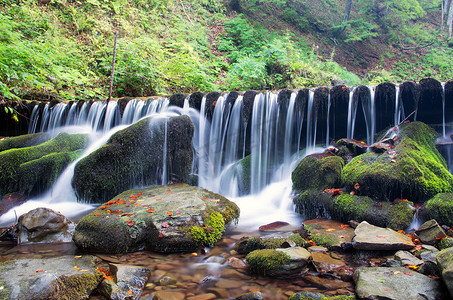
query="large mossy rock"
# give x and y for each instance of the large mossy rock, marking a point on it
(445, 262)
(30, 170)
(318, 174)
(396, 215)
(134, 157)
(55, 278)
(414, 169)
(174, 218)
(440, 208)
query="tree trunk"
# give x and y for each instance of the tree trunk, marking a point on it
(347, 12)
(444, 10)
(450, 19)
(113, 67)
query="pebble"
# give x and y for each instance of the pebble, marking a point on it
(208, 296)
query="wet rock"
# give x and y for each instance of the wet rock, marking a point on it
(133, 157)
(174, 218)
(206, 296)
(324, 263)
(43, 225)
(250, 296)
(413, 169)
(226, 284)
(370, 237)
(56, 278)
(306, 295)
(393, 283)
(429, 232)
(129, 284)
(312, 173)
(317, 249)
(406, 258)
(429, 268)
(279, 262)
(277, 226)
(272, 241)
(237, 263)
(329, 233)
(444, 243)
(328, 284)
(220, 293)
(25, 140)
(354, 146)
(167, 295)
(445, 263)
(166, 279)
(11, 200)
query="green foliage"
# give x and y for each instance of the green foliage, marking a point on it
(267, 260)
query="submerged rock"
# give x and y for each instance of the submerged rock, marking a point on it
(174, 218)
(369, 237)
(30, 170)
(43, 225)
(329, 233)
(394, 284)
(129, 283)
(134, 157)
(414, 169)
(55, 278)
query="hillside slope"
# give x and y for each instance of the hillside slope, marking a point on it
(62, 49)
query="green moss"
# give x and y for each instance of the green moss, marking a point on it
(444, 243)
(5, 291)
(211, 231)
(440, 208)
(264, 261)
(314, 204)
(319, 296)
(74, 287)
(22, 141)
(417, 172)
(325, 240)
(312, 173)
(245, 174)
(12, 159)
(256, 243)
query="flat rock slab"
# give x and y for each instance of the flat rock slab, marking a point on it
(370, 237)
(396, 283)
(157, 218)
(333, 230)
(324, 263)
(66, 277)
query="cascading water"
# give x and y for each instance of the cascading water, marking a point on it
(248, 158)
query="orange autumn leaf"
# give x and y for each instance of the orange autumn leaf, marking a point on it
(104, 206)
(38, 271)
(97, 214)
(130, 223)
(330, 229)
(357, 186)
(169, 213)
(341, 236)
(151, 210)
(83, 271)
(138, 204)
(205, 198)
(215, 200)
(344, 225)
(121, 201)
(312, 243)
(381, 237)
(77, 268)
(108, 277)
(159, 199)
(133, 197)
(108, 211)
(111, 202)
(130, 292)
(139, 194)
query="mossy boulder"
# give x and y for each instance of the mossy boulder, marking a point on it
(64, 277)
(174, 218)
(134, 157)
(274, 241)
(30, 170)
(413, 170)
(267, 261)
(319, 296)
(26, 140)
(318, 174)
(396, 215)
(440, 208)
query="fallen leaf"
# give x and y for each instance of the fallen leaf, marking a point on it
(77, 268)
(178, 212)
(130, 292)
(169, 213)
(330, 229)
(344, 225)
(39, 271)
(121, 201)
(133, 197)
(205, 198)
(312, 243)
(139, 194)
(341, 236)
(108, 277)
(413, 267)
(408, 273)
(138, 204)
(215, 200)
(151, 210)
(130, 223)
(108, 211)
(381, 280)
(357, 186)
(159, 199)
(381, 237)
(164, 224)
(97, 214)
(161, 234)
(397, 273)
(83, 270)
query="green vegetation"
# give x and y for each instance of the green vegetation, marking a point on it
(63, 48)
(319, 174)
(440, 208)
(256, 243)
(210, 232)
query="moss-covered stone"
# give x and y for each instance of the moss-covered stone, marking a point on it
(396, 215)
(321, 239)
(173, 218)
(266, 261)
(415, 170)
(134, 157)
(318, 296)
(16, 163)
(258, 243)
(22, 141)
(312, 173)
(440, 208)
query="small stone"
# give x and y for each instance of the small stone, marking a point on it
(167, 279)
(317, 249)
(227, 284)
(429, 232)
(220, 293)
(165, 295)
(250, 296)
(277, 226)
(407, 259)
(237, 263)
(324, 263)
